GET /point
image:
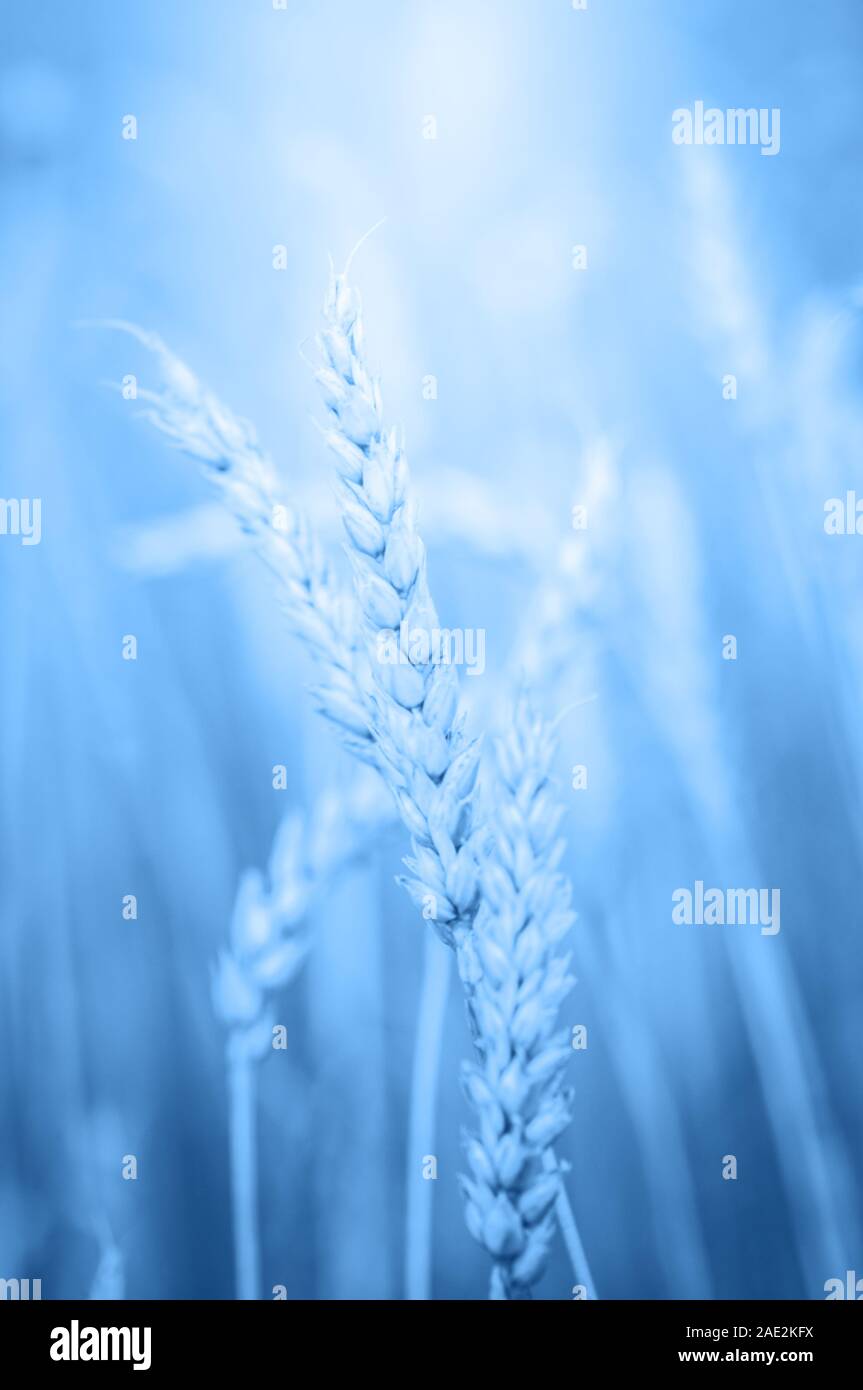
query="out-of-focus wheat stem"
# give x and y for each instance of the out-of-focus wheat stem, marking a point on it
(269, 944)
(244, 1171)
(569, 1230)
(422, 1120)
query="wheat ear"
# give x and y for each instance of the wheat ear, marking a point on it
(196, 422)
(415, 722)
(516, 1084)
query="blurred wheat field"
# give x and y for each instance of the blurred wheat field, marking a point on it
(592, 497)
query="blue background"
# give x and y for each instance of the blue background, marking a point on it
(302, 128)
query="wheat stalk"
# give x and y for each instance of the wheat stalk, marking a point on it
(109, 1279)
(266, 951)
(269, 941)
(422, 1116)
(469, 887)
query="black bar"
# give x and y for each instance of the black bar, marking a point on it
(610, 1336)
